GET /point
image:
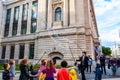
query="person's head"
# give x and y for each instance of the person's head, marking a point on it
(49, 63)
(6, 66)
(84, 53)
(89, 56)
(12, 62)
(64, 64)
(75, 63)
(43, 62)
(24, 62)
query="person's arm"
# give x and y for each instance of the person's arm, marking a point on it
(39, 71)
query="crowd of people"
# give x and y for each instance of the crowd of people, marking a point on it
(47, 69)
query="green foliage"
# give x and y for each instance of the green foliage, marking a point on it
(37, 66)
(1, 67)
(17, 67)
(106, 51)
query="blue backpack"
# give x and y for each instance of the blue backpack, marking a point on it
(90, 61)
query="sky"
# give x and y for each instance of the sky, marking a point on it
(108, 21)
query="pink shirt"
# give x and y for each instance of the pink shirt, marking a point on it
(42, 67)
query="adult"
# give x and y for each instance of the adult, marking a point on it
(102, 62)
(24, 71)
(84, 64)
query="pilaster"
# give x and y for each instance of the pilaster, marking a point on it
(3, 19)
(72, 13)
(1, 14)
(16, 54)
(41, 17)
(29, 18)
(19, 20)
(80, 19)
(65, 13)
(26, 53)
(11, 22)
(50, 13)
(7, 53)
(36, 55)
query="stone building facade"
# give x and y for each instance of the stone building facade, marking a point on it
(60, 29)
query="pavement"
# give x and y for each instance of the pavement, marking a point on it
(89, 76)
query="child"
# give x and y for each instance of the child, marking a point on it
(42, 75)
(50, 70)
(6, 73)
(89, 63)
(24, 71)
(12, 69)
(63, 73)
(42, 67)
(98, 72)
(73, 75)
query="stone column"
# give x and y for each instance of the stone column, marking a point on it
(36, 56)
(26, 52)
(65, 13)
(11, 22)
(1, 15)
(3, 21)
(29, 18)
(19, 20)
(41, 19)
(16, 54)
(72, 13)
(50, 13)
(7, 53)
(0, 51)
(80, 19)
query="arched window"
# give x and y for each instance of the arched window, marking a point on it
(58, 14)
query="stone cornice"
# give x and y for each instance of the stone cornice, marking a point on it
(45, 34)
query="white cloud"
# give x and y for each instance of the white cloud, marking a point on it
(108, 19)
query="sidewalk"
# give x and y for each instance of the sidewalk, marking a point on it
(89, 76)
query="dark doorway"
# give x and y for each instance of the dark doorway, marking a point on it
(57, 58)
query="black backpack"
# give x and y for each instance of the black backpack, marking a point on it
(6, 75)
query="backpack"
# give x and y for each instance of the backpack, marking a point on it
(90, 61)
(6, 75)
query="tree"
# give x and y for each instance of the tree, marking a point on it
(106, 51)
